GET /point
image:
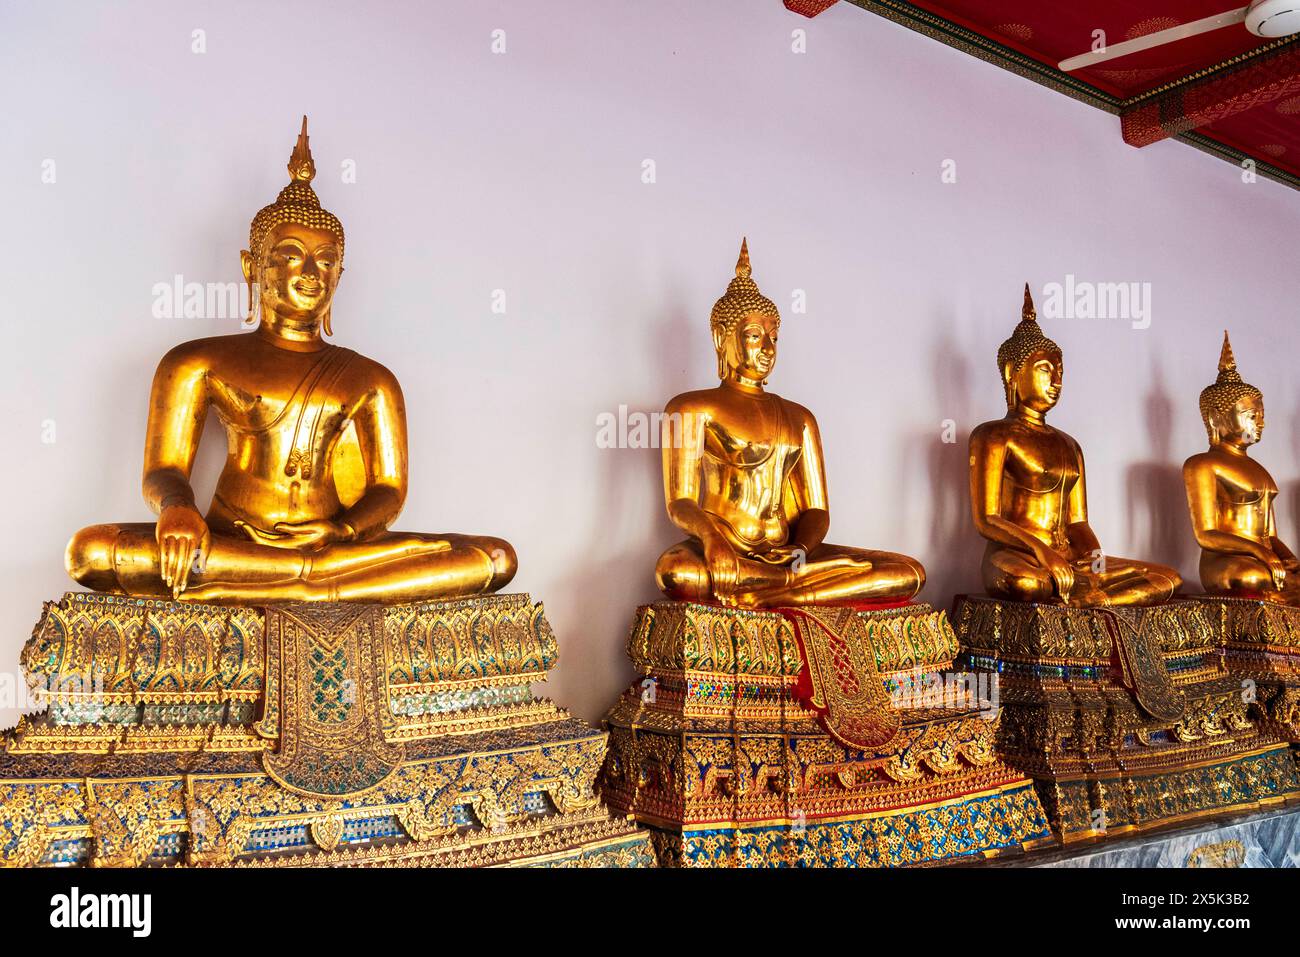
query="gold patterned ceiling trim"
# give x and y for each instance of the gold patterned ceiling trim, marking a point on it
(1209, 71)
(1235, 156)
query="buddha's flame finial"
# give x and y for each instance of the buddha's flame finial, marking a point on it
(1227, 362)
(1027, 312)
(743, 269)
(1228, 374)
(301, 167)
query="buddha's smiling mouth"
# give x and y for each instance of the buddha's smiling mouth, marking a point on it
(308, 287)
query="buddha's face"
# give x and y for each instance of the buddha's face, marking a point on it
(750, 351)
(1037, 384)
(1244, 425)
(301, 271)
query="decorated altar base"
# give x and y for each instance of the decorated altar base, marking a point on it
(715, 752)
(1126, 718)
(313, 734)
(1261, 648)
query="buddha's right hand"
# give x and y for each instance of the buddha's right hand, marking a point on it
(1277, 569)
(182, 535)
(1060, 569)
(723, 564)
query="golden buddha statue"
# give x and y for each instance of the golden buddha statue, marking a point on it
(317, 465)
(1230, 496)
(744, 477)
(1028, 496)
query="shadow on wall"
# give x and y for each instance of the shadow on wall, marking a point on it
(1156, 508)
(952, 556)
(1288, 523)
(1288, 516)
(626, 532)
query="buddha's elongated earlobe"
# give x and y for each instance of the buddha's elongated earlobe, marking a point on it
(1219, 425)
(254, 303)
(326, 326)
(246, 268)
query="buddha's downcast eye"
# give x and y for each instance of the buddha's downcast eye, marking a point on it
(289, 253)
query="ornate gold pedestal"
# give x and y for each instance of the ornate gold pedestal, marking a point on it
(1125, 717)
(1261, 648)
(714, 751)
(311, 734)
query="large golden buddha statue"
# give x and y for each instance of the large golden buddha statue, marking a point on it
(317, 466)
(1230, 496)
(744, 477)
(1028, 496)
(791, 669)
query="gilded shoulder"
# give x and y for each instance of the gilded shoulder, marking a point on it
(701, 400)
(372, 376)
(992, 432)
(195, 356)
(797, 413)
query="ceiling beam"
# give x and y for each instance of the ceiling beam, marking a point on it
(809, 8)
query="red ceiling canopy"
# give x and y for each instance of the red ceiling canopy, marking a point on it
(1226, 91)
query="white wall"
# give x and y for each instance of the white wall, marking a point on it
(522, 171)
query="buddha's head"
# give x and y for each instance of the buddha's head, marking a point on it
(1031, 364)
(745, 325)
(295, 248)
(1232, 410)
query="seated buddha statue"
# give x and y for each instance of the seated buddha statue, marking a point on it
(1230, 496)
(1028, 497)
(744, 477)
(317, 464)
